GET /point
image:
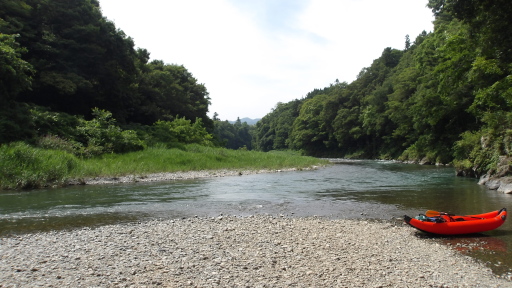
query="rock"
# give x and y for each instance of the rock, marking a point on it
(483, 180)
(505, 188)
(505, 185)
(504, 168)
(493, 184)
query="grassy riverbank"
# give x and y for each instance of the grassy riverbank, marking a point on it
(23, 166)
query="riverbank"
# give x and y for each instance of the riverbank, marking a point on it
(183, 175)
(33, 167)
(228, 251)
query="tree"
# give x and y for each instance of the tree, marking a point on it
(311, 129)
(233, 136)
(81, 61)
(15, 73)
(407, 42)
(272, 132)
(170, 91)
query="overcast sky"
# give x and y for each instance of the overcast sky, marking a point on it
(252, 54)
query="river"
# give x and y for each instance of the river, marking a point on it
(349, 189)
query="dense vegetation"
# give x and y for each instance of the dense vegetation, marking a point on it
(79, 60)
(233, 136)
(65, 58)
(74, 89)
(447, 96)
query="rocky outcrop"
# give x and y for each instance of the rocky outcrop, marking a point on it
(501, 179)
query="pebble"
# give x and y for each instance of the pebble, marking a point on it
(230, 251)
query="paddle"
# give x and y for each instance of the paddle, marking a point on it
(432, 213)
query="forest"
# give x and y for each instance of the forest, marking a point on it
(70, 79)
(445, 98)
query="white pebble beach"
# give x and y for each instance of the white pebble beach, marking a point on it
(229, 251)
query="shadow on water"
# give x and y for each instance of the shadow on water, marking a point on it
(11, 227)
(347, 190)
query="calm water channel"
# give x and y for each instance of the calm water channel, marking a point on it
(349, 189)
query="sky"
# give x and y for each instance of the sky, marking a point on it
(253, 54)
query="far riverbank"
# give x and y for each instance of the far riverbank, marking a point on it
(38, 168)
(186, 175)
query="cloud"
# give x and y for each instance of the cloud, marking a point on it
(253, 54)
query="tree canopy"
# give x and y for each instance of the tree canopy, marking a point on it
(74, 59)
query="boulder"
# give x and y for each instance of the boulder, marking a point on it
(500, 179)
(505, 188)
(483, 180)
(505, 185)
(493, 184)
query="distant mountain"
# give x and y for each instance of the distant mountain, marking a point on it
(249, 121)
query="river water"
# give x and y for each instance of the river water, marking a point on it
(349, 189)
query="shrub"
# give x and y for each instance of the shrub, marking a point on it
(58, 143)
(53, 123)
(181, 130)
(101, 135)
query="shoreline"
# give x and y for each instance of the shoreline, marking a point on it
(172, 176)
(230, 251)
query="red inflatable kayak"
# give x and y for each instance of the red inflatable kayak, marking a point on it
(447, 224)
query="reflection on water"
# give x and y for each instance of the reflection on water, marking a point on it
(349, 189)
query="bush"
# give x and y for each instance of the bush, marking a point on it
(53, 123)
(101, 135)
(57, 143)
(23, 166)
(181, 130)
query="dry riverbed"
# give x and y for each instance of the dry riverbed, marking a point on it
(228, 251)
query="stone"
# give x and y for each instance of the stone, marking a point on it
(505, 188)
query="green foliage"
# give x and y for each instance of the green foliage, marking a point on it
(81, 60)
(190, 157)
(52, 142)
(101, 135)
(22, 166)
(15, 73)
(233, 136)
(171, 90)
(272, 131)
(15, 123)
(311, 129)
(180, 130)
(47, 122)
(82, 137)
(446, 97)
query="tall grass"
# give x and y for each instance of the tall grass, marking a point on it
(23, 166)
(190, 157)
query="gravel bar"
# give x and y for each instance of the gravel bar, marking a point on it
(171, 176)
(231, 251)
